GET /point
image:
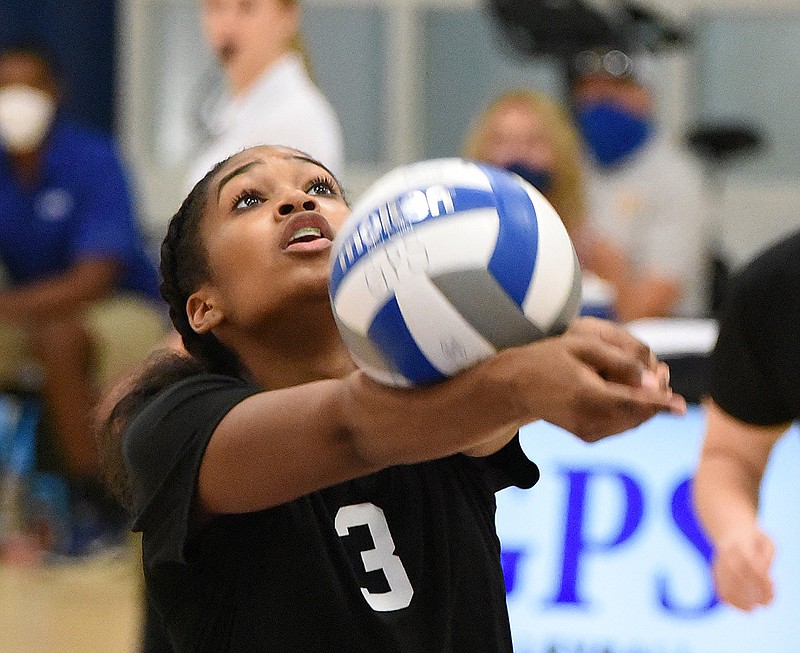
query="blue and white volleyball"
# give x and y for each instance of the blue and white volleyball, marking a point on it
(445, 262)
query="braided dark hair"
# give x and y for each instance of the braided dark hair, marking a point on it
(183, 268)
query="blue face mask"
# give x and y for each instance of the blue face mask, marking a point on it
(539, 178)
(611, 133)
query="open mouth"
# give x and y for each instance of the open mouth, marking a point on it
(226, 52)
(305, 235)
(306, 229)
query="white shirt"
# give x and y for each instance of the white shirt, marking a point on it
(283, 107)
(652, 207)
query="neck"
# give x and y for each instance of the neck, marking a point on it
(241, 81)
(27, 166)
(303, 348)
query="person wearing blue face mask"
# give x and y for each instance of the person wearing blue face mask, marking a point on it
(645, 197)
(532, 135)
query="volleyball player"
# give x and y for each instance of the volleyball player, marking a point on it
(290, 503)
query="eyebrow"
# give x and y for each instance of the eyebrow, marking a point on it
(308, 159)
(235, 173)
(246, 166)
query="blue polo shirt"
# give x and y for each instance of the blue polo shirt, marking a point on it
(81, 208)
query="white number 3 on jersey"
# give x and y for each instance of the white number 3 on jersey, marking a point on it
(381, 557)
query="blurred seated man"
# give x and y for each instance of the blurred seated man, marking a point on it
(646, 205)
(78, 304)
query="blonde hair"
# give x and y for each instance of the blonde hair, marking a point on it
(297, 44)
(567, 193)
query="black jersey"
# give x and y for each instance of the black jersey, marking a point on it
(755, 366)
(406, 559)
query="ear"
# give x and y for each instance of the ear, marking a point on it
(203, 312)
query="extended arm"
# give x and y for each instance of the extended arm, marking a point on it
(88, 280)
(726, 494)
(638, 293)
(278, 445)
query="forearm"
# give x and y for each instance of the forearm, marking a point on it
(85, 282)
(478, 410)
(729, 474)
(638, 293)
(645, 295)
(726, 496)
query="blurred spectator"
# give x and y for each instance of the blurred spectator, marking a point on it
(271, 98)
(645, 194)
(754, 398)
(77, 307)
(532, 135)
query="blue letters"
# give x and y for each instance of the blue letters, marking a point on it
(576, 543)
(686, 522)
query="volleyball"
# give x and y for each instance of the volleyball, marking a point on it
(445, 262)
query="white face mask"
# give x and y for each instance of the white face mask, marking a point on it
(26, 114)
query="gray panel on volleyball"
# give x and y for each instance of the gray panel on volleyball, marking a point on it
(477, 296)
(364, 350)
(571, 308)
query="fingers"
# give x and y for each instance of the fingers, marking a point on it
(634, 363)
(617, 336)
(598, 386)
(742, 572)
(611, 408)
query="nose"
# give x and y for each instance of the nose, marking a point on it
(296, 203)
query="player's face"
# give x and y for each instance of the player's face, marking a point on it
(248, 35)
(270, 216)
(515, 134)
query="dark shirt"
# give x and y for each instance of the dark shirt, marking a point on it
(406, 559)
(755, 366)
(80, 208)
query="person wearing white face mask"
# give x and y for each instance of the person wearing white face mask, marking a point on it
(270, 97)
(78, 304)
(646, 205)
(26, 114)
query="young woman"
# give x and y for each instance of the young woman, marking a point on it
(288, 502)
(270, 96)
(529, 133)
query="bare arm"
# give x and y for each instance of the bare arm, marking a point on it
(726, 494)
(86, 281)
(278, 445)
(639, 294)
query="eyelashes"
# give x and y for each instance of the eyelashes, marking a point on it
(327, 182)
(322, 185)
(246, 199)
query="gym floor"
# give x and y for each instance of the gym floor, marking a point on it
(87, 607)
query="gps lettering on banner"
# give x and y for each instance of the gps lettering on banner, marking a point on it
(578, 546)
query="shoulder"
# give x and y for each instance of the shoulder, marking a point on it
(775, 270)
(203, 386)
(195, 404)
(170, 432)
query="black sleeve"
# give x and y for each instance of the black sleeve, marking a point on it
(163, 448)
(510, 466)
(755, 365)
